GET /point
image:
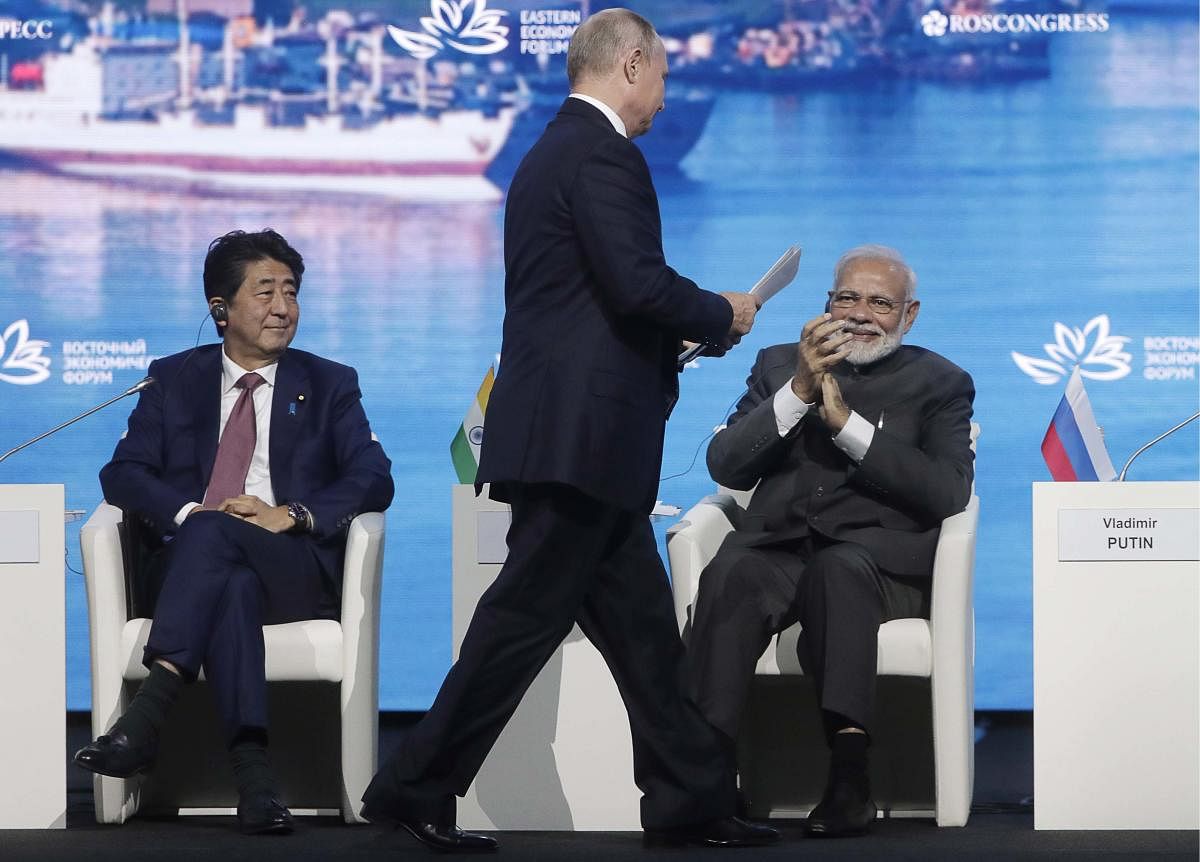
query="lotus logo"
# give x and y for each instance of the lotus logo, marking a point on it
(21, 360)
(1099, 355)
(934, 23)
(467, 25)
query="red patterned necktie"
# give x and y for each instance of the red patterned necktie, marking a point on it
(236, 447)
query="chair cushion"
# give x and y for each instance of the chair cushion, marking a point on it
(307, 650)
(905, 649)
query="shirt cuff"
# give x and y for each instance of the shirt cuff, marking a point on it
(789, 409)
(855, 437)
(184, 512)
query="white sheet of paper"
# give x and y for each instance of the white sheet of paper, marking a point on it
(664, 510)
(779, 276)
(775, 279)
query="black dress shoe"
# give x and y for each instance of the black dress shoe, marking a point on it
(264, 814)
(116, 755)
(448, 839)
(726, 832)
(840, 816)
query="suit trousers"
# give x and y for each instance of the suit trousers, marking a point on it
(223, 579)
(571, 559)
(834, 590)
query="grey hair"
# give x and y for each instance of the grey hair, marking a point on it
(883, 254)
(602, 41)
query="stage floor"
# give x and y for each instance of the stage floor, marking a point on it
(1001, 827)
(988, 836)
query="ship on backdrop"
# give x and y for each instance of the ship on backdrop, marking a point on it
(351, 104)
(210, 103)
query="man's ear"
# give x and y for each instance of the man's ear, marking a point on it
(910, 314)
(633, 65)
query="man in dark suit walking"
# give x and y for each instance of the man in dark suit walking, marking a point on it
(592, 327)
(247, 461)
(860, 447)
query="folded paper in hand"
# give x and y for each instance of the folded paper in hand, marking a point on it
(779, 276)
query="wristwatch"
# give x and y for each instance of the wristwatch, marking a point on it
(298, 513)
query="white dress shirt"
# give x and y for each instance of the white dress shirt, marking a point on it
(258, 477)
(617, 122)
(854, 439)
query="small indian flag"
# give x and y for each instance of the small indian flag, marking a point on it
(464, 449)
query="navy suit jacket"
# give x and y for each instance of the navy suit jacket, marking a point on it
(321, 452)
(917, 471)
(593, 319)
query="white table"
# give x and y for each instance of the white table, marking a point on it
(565, 760)
(1116, 653)
(33, 706)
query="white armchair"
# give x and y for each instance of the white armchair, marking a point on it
(923, 755)
(323, 693)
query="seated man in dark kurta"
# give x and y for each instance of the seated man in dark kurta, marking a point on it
(860, 447)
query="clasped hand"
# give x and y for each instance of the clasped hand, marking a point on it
(823, 344)
(254, 510)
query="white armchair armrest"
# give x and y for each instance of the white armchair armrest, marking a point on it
(952, 630)
(361, 581)
(362, 574)
(692, 542)
(104, 568)
(953, 586)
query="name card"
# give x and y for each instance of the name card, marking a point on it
(1128, 534)
(19, 541)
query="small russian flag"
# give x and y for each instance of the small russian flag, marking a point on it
(1073, 448)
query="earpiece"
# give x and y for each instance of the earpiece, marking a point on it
(219, 312)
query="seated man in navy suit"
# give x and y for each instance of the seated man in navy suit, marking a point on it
(249, 460)
(860, 446)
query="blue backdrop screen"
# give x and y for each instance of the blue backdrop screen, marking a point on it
(1041, 180)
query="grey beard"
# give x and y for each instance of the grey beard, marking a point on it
(865, 354)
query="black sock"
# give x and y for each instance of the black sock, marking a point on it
(848, 765)
(851, 748)
(148, 711)
(251, 767)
